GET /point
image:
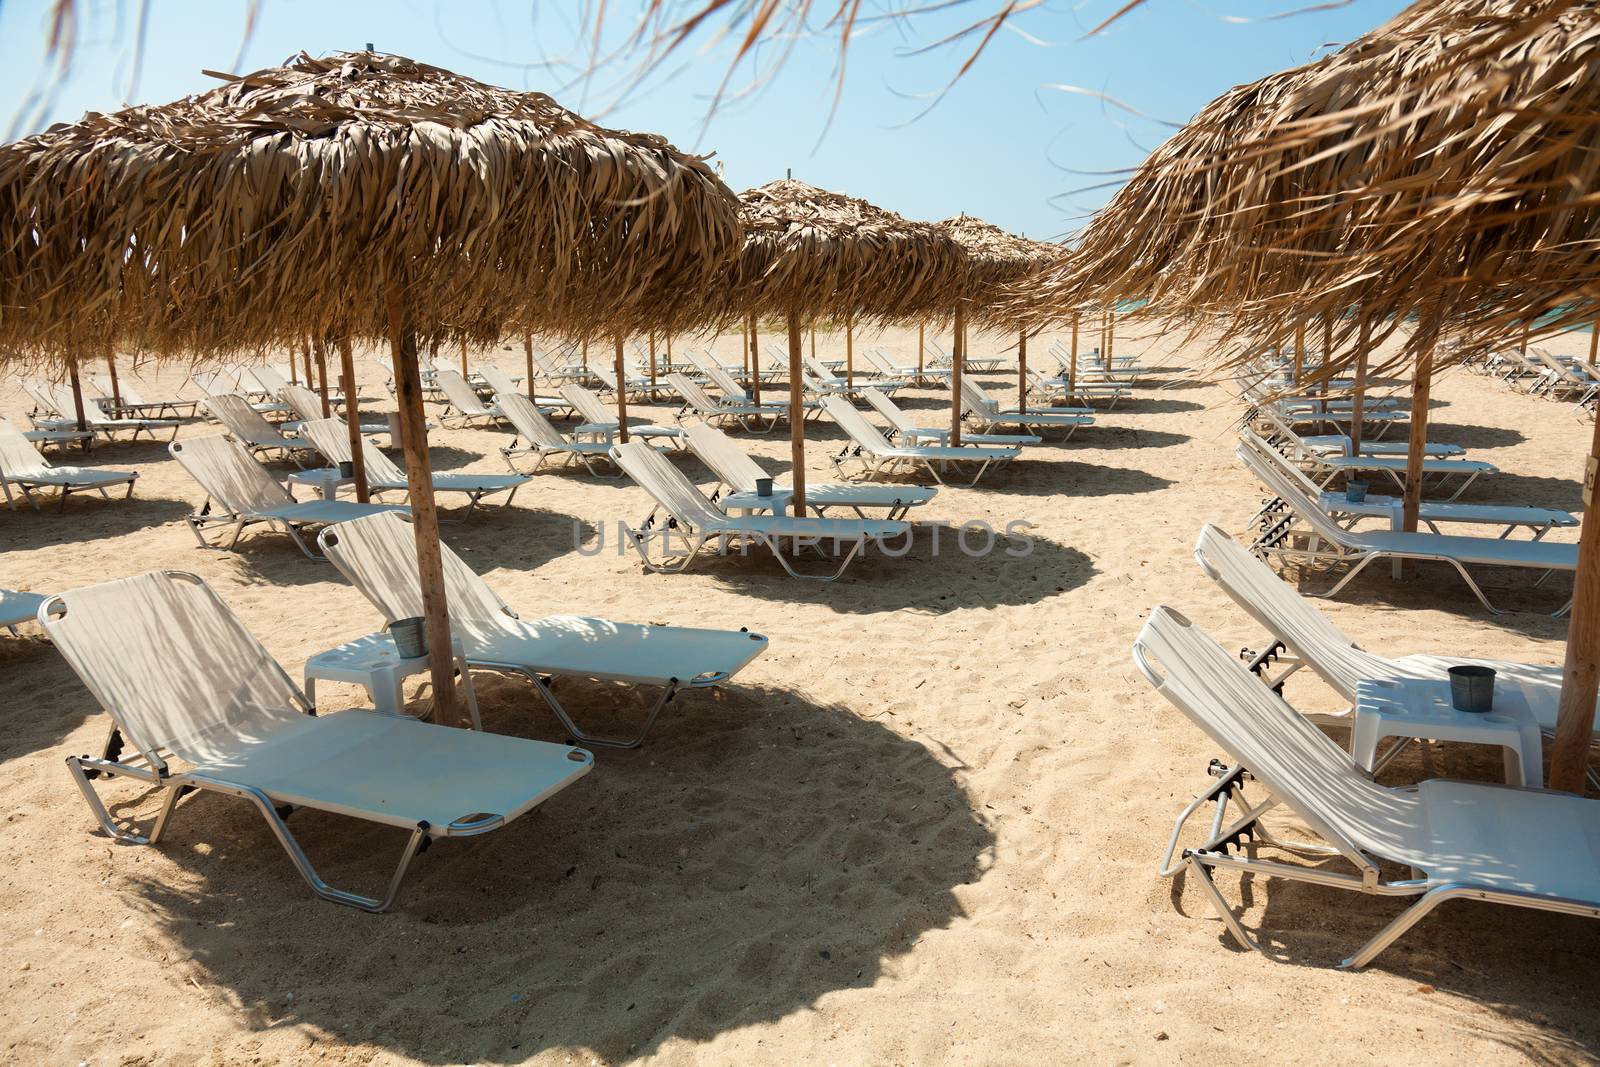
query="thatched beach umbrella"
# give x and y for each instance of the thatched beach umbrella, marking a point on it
(1439, 168)
(998, 262)
(357, 196)
(813, 254)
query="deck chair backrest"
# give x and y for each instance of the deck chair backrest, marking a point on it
(331, 437)
(302, 401)
(727, 460)
(242, 420)
(529, 421)
(607, 378)
(232, 479)
(18, 457)
(378, 555)
(814, 365)
(1287, 615)
(590, 408)
(461, 395)
(1309, 510)
(973, 397)
(268, 378)
(1283, 749)
(681, 498)
(172, 666)
(45, 399)
(1277, 459)
(889, 410)
(543, 362)
(692, 394)
(855, 424)
(725, 381)
(498, 379)
(216, 383)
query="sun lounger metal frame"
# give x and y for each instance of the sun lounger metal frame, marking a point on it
(876, 457)
(23, 466)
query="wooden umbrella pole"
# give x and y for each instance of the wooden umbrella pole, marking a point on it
(1072, 365)
(797, 421)
(586, 355)
(1111, 334)
(650, 346)
(622, 392)
(1358, 396)
(424, 516)
(305, 354)
(813, 342)
(1022, 371)
(464, 372)
(1299, 351)
(1327, 347)
(755, 364)
(321, 347)
(669, 353)
(919, 351)
(1420, 386)
(116, 390)
(957, 364)
(849, 354)
(77, 395)
(744, 349)
(1580, 676)
(527, 355)
(352, 416)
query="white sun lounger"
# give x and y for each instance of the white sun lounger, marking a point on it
(226, 382)
(717, 375)
(1431, 513)
(379, 557)
(241, 493)
(903, 430)
(461, 401)
(600, 422)
(638, 386)
(739, 473)
(1457, 840)
(58, 402)
(24, 469)
(1304, 636)
(245, 425)
(1338, 444)
(559, 370)
(307, 406)
(684, 516)
(876, 457)
(908, 372)
(757, 418)
(17, 608)
(543, 440)
(60, 438)
(332, 439)
(204, 706)
(988, 413)
(1329, 543)
(132, 404)
(498, 380)
(1326, 468)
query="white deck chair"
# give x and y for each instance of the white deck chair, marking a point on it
(877, 457)
(135, 405)
(204, 706)
(241, 493)
(902, 429)
(60, 438)
(332, 439)
(226, 382)
(17, 608)
(739, 473)
(906, 372)
(1304, 636)
(94, 418)
(1325, 468)
(1329, 543)
(684, 516)
(462, 403)
(559, 370)
(600, 422)
(307, 406)
(988, 413)
(1524, 847)
(756, 418)
(246, 426)
(498, 380)
(638, 387)
(379, 557)
(1339, 444)
(543, 440)
(1057, 394)
(1430, 513)
(22, 468)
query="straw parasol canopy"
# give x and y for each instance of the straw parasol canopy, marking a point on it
(353, 196)
(811, 254)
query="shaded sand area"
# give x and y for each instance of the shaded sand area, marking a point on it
(923, 828)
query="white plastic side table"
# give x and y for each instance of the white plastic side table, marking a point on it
(326, 480)
(374, 663)
(1420, 708)
(751, 503)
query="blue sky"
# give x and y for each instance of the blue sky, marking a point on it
(1001, 144)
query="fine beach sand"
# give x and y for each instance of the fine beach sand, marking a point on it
(924, 827)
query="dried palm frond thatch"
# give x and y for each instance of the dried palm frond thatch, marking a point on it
(996, 261)
(820, 254)
(1443, 164)
(303, 199)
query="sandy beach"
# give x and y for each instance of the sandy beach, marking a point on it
(923, 828)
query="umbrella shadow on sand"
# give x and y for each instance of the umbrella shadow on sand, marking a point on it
(86, 517)
(760, 851)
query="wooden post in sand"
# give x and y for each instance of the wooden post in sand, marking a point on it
(1580, 676)
(956, 365)
(1327, 347)
(622, 392)
(305, 353)
(322, 377)
(1299, 351)
(755, 364)
(116, 390)
(424, 517)
(650, 347)
(464, 372)
(352, 416)
(77, 394)
(1111, 335)
(849, 353)
(527, 355)
(1022, 371)
(586, 355)
(1358, 396)
(797, 422)
(919, 352)
(1422, 381)
(1072, 365)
